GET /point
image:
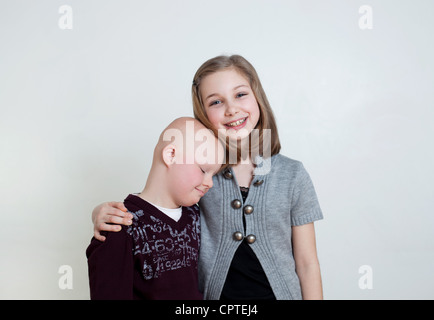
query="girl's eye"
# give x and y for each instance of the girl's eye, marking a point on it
(239, 95)
(202, 170)
(215, 102)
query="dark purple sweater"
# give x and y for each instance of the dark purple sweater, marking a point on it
(154, 258)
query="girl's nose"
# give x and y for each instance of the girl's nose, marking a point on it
(231, 108)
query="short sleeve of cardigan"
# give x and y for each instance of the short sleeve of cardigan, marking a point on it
(305, 207)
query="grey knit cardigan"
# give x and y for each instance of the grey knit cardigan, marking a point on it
(282, 195)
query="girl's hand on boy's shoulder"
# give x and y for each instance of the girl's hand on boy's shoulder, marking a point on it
(108, 216)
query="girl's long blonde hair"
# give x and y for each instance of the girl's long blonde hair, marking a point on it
(240, 64)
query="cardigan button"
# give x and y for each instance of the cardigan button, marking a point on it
(236, 204)
(258, 183)
(228, 175)
(248, 209)
(251, 238)
(238, 236)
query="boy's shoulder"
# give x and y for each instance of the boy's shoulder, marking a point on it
(146, 214)
(114, 242)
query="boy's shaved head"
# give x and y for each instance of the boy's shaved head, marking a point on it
(186, 157)
(193, 141)
(178, 125)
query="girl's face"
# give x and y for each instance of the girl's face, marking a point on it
(230, 103)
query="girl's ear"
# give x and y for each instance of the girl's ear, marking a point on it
(169, 155)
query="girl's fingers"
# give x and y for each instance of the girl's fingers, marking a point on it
(105, 227)
(118, 209)
(109, 227)
(118, 205)
(109, 217)
(98, 235)
(118, 220)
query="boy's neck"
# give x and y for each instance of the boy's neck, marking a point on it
(155, 196)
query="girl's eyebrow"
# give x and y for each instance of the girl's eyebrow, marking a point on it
(241, 85)
(211, 95)
(215, 94)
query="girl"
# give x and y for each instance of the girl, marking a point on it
(257, 232)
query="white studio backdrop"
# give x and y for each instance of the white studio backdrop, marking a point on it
(87, 86)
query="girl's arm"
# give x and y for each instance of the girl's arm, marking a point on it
(306, 261)
(108, 216)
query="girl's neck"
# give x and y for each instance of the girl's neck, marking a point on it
(244, 173)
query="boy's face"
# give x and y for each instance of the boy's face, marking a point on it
(189, 181)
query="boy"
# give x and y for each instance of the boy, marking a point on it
(156, 257)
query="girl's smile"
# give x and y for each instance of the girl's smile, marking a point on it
(237, 124)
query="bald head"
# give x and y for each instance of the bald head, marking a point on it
(190, 141)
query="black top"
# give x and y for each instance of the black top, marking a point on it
(246, 280)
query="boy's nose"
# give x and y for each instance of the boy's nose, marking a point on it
(207, 182)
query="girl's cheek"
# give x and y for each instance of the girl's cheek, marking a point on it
(214, 118)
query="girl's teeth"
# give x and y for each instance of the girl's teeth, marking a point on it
(236, 123)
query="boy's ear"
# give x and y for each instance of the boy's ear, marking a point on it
(169, 155)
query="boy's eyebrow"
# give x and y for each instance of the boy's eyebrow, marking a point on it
(214, 172)
(215, 94)
(218, 169)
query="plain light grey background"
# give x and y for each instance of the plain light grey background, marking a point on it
(81, 109)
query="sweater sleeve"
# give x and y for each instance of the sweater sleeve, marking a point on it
(305, 207)
(110, 266)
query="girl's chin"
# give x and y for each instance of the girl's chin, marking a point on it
(238, 135)
(238, 138)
